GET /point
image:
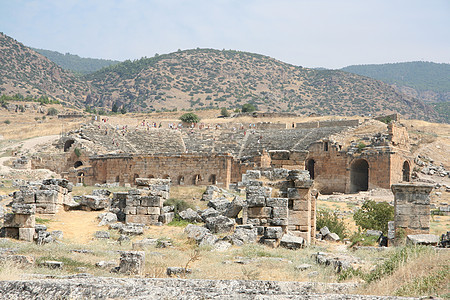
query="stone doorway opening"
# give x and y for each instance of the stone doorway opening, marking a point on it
(77, 164)
(80, 178)
(359, 176)
(406, 171)
(310, 164)
(68, 144)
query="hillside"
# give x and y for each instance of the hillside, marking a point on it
(75, 63)
(30, 74)
(427, 81)
(205, 78)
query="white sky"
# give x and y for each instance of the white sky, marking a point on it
(310, 33)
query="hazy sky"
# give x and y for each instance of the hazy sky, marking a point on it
(310, 33)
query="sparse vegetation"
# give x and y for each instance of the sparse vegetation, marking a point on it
(332, 221)
(190, 118)
(374, 215)
(52, 111)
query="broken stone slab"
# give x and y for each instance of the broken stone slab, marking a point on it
(273, 232)
(208, 240)
(103, 193)
(209, 213)
(234, 207)
(292, 242)
(210, 193)
(371, 232)
(102, 235)
(221, 246)
(163, 243)
(24, 209)
(89, 202)
(219, 204)
(324, 231)
(177, 271)
(57, 234)
(17, 259)
(132, 229)
(166, 218)
(167, 209)
(422, 239)
(243, 236)
(107, 218)
(105, 264)
(333, 237)
(196, 232)
(131, 262)
(44, 237)
(302, 267)
(52, 264)
(190, 215)
(123, 238)
(338, 262)
(26, 234)
(116, 226)
(220, 224)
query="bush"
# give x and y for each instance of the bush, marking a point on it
(373, 215)
(190, 118)
(77, 152)
(332, 221)
(179, 205)
(224, 112)
(52, 111)
(248, 107)
(7, 122)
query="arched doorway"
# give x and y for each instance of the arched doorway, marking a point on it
(80, 177)
(310, 164)
(406, 172)
(359, 176)
(68, 144)
(180, 180)
(196, 179)
(212, 179)
(77, 164)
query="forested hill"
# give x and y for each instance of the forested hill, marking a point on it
(75, 63)
(29, 74)
(203, 78)
(425, 80)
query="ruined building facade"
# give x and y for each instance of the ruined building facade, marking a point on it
(97, 154)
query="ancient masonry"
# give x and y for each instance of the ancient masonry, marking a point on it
(143, 205)
(20, 223)
(412, 209)
(294, 211)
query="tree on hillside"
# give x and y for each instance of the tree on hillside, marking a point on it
(115, 108)
(248, 107)
(190, 118)
(224, 112)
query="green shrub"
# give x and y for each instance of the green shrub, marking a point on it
(374, 215)
(7, 122)
(248, 107)
(179, 205)
(332, 221)
(361, 239)
(361, 146)
(52, 111)
(224, 112)
(77, 152)
(190, 118)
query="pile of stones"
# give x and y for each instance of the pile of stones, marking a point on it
(428, 168)
(326, 235)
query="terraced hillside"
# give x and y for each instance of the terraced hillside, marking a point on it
(205, 78)
(28, 73)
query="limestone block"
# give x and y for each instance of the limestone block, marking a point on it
(166, 218)
(297, 193)
(254, 221)
(141, 210)
(280, 212)
(292, 242)
(277, 202)
(256, 190)
(24, 209)
(256, 200)
(301, 205)
(152, 201)
(153, 210)
(46, 196)
(29, 196)
(259, 212)
(142, 219)
(26, 234)
(299, 218)
(133, 201)
(278, 222)
(273, 232)
(130, 210)
(46, 208)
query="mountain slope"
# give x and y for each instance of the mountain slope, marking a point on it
(28, 73)
(204, 78)
(427, 81)
(75, 63)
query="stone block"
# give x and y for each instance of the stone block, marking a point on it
(259, 212)
(301, 205)
(46, 196)
(130, 210)
(143, 219)
(166, 218)
(278, 222)
(152, 201)
(297, 193)
(46, 208)
(141, 210)
(133, 201)
(256, 200)
(277, 202)
(292, 242)
(273, 232)
(280, 212)
(25, 221)
(153, 210)
(273, 243)
(24, 209)
(29, 196)
(299, 218)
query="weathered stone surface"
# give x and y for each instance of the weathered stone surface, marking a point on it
(219, 204)
(273, 232)
(103, 193)
(190, 215)
(107, 218)
(17, 259)
(221, 246)
(332, 237)
(220, 224)
(339, 262)
(292, 242)
(324, 231)
(44, 237)
(234, 207)
(166, 218)
(52, 264)
(422, 239)
(23, 209)
(89, 202)
(102, 235)
(105, 264)
(196, 232)
(302, 267)
(374, 232)
(131, 262)
(243, 236)
(177, 271)
(209, 213)
(132, 229)
(209, 239)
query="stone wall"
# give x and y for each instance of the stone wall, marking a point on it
(412, 208)
(331, 123)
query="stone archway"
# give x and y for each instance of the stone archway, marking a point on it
(68, 144)
(359, 176)
(196, 179)
(406, 172)
(80, 177)
(180, 180)
(310, 166)
(213, 179)
(77, 164)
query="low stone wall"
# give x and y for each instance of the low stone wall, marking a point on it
(79, 287)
